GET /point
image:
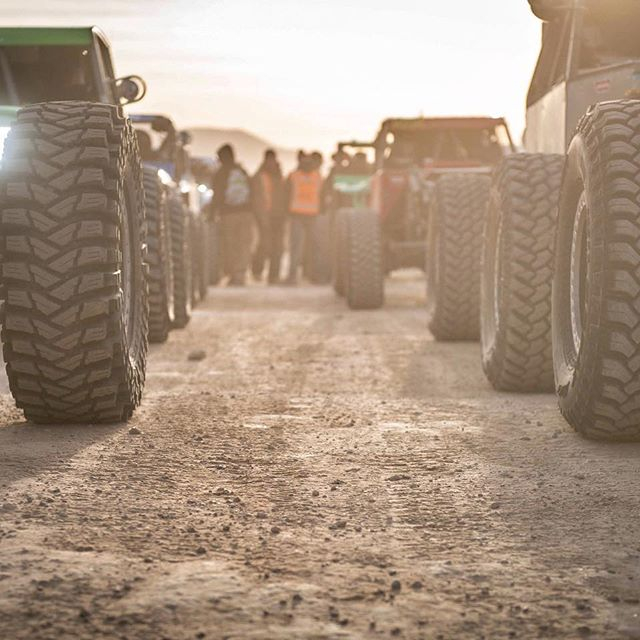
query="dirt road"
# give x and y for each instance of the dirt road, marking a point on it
(319, 474)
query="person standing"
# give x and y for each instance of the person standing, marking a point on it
(269, 210)
(304, 192)
(232, 205)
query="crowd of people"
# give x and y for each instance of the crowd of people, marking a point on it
(258, 215)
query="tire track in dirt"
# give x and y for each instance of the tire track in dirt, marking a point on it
(321, 474)
(515, 455)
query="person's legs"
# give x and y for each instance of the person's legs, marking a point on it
(245, 240)
(243, 236)
(226, 244)
(216, 264)
(296, 248)
(239, 245)
(276, 233)
(309, 225)
(262, 248)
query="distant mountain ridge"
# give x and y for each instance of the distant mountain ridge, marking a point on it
(249, 147)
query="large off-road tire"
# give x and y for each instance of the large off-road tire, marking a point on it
(339, 250)
(517, 270)
(454, 248)
(199, 267)
(74, 324)
(181, 254)
(205, 259)
(321, 252)
(195, 260)
(596, 287)
(364, 281)
(161, 310)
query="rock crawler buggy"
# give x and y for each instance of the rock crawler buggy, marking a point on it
(349, 190)
(179, 271)
(566, 216)
(74, 318)
(426, 208)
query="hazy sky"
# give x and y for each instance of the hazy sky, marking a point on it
(308, 72)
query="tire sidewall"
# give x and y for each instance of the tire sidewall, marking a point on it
(168, 253)
(338, 231)
(491, 293)
(132, 213)
(432, 257)
(575, 372)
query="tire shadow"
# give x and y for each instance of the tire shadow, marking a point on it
(28, 450)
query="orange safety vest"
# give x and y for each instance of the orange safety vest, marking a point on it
(305, 192)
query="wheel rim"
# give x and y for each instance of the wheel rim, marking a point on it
(577, 277)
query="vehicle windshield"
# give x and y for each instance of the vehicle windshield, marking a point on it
(445, 145)
(610, 33)
(31, 74)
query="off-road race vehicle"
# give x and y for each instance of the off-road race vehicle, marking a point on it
(74, 318)
(170, 268)
(193, 199)
(164, 149)
(565, 216)
(427, 205)
(204, 170)
(349, 186)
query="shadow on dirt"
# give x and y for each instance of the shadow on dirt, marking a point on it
(27, 450)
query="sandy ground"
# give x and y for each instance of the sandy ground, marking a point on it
(319, 474)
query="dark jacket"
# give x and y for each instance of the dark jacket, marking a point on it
(220, 183)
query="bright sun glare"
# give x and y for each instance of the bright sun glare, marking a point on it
(309, 73)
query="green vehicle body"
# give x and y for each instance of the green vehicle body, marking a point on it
(33, 59)
(27, 60)
(355, 187)
(66, 76)
(37, 36)
(349, 188)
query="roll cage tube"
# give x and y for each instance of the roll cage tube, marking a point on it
(448, 145)
(354, 144)
(101, 78)
(505, 128)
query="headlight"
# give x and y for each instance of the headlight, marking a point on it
(165, 178)
(4, 132)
